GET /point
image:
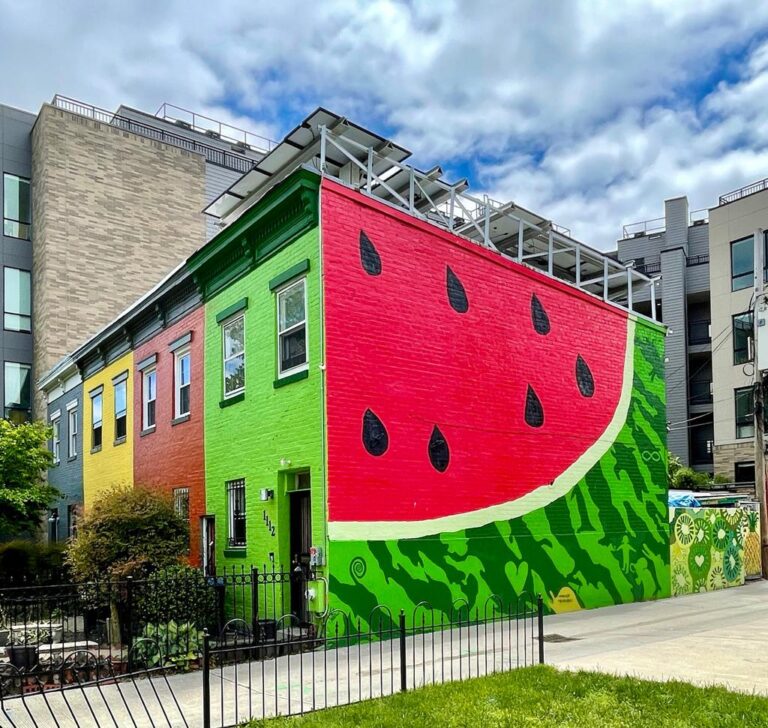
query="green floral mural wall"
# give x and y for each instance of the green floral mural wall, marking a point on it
(711, 547)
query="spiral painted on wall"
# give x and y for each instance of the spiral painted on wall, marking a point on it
(357, 568)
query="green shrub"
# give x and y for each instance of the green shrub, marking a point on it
(178, 593)
(128, 532)
(722, 479)
(689, 479)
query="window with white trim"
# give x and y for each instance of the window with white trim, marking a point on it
(236, 512)
(182, 380)
(72, 433)
(233, 335)
(292, 328)
(97, 403)
(121, 410)
(148, 398)
(56, 440)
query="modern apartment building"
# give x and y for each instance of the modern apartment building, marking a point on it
(706, 263)
(739, 217)
(96, 204)
(16, 353)
(676, 247)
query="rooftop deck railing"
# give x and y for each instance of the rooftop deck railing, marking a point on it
(214, 155)
(745, 191)
(659, 224)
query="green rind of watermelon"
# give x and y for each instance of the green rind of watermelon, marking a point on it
(538, 498)
(575, 541)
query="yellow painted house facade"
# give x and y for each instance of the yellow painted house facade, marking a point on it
(108, 429)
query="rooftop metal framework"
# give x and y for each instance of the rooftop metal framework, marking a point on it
(375, 166)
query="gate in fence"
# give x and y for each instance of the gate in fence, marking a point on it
(253, 665)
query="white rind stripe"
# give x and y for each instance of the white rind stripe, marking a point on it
(542, 496)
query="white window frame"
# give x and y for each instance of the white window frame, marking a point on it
(56, 439)
(97, 423)
(224, 324)
(122, 383)
(181, 493)
(72, 432)
(177, 357)
(299, 367)
(145, 400)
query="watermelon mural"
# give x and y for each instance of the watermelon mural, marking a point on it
(490, 430)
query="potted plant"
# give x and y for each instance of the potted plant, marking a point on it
(22, 647)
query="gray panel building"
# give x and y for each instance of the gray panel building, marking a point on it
(16, 352)
(676, 247)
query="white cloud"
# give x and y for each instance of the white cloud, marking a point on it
(573, 109)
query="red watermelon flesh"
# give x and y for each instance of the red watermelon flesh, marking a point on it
(456, 379)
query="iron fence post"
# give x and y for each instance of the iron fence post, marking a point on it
(254, 605)
(206, 679)
(403, 676)
(540, 610)
(129, 619)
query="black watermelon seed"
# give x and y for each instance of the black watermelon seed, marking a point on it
(439, 455)
(375, 438)
(369, 256)
(539, 316)
(534, 413)
(457, 296)
(584, 378)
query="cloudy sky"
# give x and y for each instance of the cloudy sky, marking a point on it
(590, 113)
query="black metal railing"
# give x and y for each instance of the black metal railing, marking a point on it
(212, 154)
(697, 259)
(699, 332)
(745, 191)
(650, 268)
(241, 675)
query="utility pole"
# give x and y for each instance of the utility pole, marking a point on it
(760, 333)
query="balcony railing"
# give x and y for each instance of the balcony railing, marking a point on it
(223, 158)
(699, 332)
(697, 260)
(650, 269)
(659, 224)
(745, 191)
(700, 391)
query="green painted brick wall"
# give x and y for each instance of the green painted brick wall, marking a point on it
(249, 439)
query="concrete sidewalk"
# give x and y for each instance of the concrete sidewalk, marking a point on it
(713, 638)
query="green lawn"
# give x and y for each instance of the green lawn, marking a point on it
(543, 697)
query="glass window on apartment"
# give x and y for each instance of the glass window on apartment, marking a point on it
(17, 300)
(745, 424)
(56, 440)
(53, 525)
(233, 332)
(292, 328)
(181, 502)
(97, 403)
(17, 217)
(148, 399)
(121, 410)
(744, 472)
(72, 433)
(236, 512)
(18, 391)
(182, 379)
(742, 333)
(743, 262)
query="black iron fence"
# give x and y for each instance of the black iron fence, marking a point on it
(235, 654)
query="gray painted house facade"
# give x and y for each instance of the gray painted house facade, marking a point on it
(676, 247)
(65, 417)
(16, 353)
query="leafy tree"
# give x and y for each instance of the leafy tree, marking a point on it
(128, 532)
(24, 459)
(689, 479)
(673, 465)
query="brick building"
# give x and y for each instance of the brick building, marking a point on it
(410, 392)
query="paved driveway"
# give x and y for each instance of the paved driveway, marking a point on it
(719, 637)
